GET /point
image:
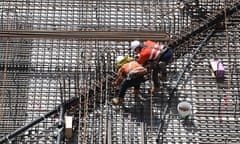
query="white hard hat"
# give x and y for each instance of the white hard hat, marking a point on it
(135, 44)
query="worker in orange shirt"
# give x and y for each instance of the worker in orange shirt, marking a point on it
(154, 55)
(130, 74)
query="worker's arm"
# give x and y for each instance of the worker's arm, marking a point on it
(119, 77)
(143, 56)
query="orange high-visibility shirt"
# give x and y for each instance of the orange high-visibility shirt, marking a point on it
(125, 69)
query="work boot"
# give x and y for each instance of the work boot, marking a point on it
(117, 101)
(135, 92)
(154, 89)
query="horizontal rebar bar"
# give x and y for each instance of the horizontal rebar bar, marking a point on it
(87, 35)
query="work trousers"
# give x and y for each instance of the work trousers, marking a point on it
(127, 83)
(156, 69)
(160, 67)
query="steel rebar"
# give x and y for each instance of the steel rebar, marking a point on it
(86, 35)
(38, 120)
(177, 82)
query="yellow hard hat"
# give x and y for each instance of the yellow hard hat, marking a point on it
(121, 60)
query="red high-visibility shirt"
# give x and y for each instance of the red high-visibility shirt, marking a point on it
(150, 51)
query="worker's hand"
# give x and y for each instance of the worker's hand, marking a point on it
(114, 83)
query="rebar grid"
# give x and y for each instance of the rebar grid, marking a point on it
(39, 73)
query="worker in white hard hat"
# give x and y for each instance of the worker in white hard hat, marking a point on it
(157, 55)
(130, 74)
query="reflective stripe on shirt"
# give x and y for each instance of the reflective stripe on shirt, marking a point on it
(155, 48)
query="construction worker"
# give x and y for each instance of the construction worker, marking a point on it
(155, 56)
(130, 74)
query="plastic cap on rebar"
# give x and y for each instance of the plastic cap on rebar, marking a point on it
(135, 44)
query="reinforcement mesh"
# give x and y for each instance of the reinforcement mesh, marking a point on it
(42, 66)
